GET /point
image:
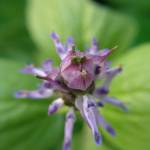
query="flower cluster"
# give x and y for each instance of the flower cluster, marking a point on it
(75, 81)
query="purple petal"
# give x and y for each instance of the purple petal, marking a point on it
(21, 94)
(58, 103)
(79, 106)
(100, 120)
(53, 84)
(94, 43)
(101, 68)
(37, 94)
(77, 79)
(54, 36)
(97, 70)
(110, 73)
(101, 56)
(91, 118)
(94, 48)
(70, 119)
(77, 76)
(101, 91)
(98, 138)
(115, 102)
(30, 69)
(47, 66)
(59, 46)
(56, 85)
(105, 52)
(107, 79)
(110, 130)
(70, 43)
(99, 104)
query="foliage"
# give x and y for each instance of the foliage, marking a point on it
(24, 123)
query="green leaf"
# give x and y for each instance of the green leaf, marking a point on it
(144, 32)
(132, 87)
(132, 5)
(110, 28)
(78, 133)
(24, 124)
(15, 42)
(81, 19)
(139, 10)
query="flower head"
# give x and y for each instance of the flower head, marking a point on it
(75, 80)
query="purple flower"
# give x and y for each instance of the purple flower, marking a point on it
(75, 80)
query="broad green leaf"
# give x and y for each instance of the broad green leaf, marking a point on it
(141, 6)
(132, 87)
(109, 27)
(15, 42)
(11, 79)
(138, 9)
(81, 19)
(78, 133)
(144, 32)
(24, 124)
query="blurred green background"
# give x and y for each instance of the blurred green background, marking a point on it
(24, 38)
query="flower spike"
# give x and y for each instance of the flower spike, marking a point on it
(75, 81)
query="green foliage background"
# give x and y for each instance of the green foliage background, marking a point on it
(24, 38)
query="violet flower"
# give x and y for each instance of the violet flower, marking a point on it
(75, 80)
